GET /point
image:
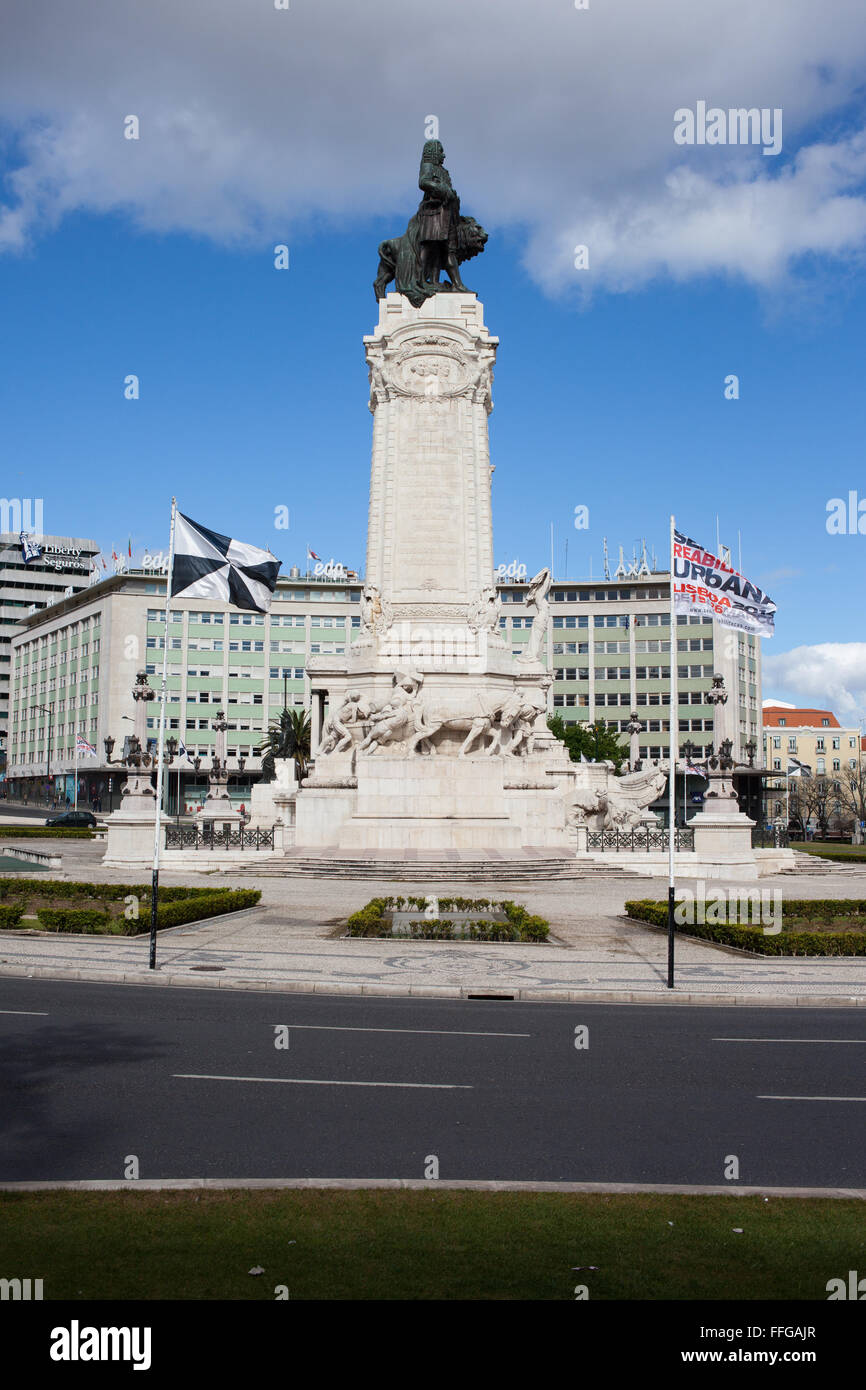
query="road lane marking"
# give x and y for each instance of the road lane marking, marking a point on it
(304, 1081)
(31, 1013)
(425, 1032)
(860, 1098)
(793, 1040)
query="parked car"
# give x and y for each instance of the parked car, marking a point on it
(73, 820)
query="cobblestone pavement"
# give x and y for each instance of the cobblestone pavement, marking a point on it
(292, 941)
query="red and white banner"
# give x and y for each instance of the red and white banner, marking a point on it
(705, 584)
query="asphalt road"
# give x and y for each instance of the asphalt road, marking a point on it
(192, 1084)
(11, 812)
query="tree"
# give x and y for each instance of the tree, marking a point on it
(818, 800)
(287, 737)
(852, 792)
(597, 742)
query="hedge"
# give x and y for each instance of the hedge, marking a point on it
(54, 919)
(521, 925)
(431, 929)
(176, 905)
(19, 887)
(47, 832)
(212, 904)
(753, 939)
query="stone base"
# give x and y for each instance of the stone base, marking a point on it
(130, 837)
(723, 841)
(435, 803)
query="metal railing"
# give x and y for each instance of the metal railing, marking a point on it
(774, 838)
(639, 841)
(211, 838)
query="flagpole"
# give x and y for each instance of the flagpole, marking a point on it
(75, 774)
(674, 729)
(157, 824)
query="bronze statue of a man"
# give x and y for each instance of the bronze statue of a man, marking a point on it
(438, 219)
(437, 238)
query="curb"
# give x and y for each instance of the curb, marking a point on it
(422, 1184)
(534, 995)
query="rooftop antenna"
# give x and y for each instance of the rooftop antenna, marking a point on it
(606, 562)
(620, 571)
(740, 551)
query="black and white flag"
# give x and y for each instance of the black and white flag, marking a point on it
(209, 565)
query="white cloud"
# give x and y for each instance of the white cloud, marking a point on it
(557, 123)
(829, 675)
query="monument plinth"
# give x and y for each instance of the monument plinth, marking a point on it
(430, 742)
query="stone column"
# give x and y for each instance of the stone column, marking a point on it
(316, 704)
(430, 536)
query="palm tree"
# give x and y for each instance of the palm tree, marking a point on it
(287, 737)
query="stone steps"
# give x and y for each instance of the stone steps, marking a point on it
(430, 870)
(810, 864)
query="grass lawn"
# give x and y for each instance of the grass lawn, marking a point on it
(427, 1245)
(841, 853)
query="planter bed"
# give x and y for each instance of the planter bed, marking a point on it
(109, 909)
(455, 919)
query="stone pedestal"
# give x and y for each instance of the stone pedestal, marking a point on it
(436, 738)
(723, 840)
(130, 833)
(271, 802)
(431, 803)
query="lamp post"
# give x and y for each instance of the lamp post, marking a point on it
(171, 745)
(49, 709)
(690, 750)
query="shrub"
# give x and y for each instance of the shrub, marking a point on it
(10, 916)
(784, 943)
(68, 921)
(369, 920)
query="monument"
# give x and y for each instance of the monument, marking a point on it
(429, 737)
(436, 737)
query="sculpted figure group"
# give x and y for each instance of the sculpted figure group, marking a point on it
(504, 726)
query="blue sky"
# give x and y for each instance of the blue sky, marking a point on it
(609, 386)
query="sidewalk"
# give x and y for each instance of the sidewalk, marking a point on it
(293, 941)
(597, 957)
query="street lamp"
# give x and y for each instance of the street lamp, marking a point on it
(49, 711)
(171, 747)
(689, 751)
